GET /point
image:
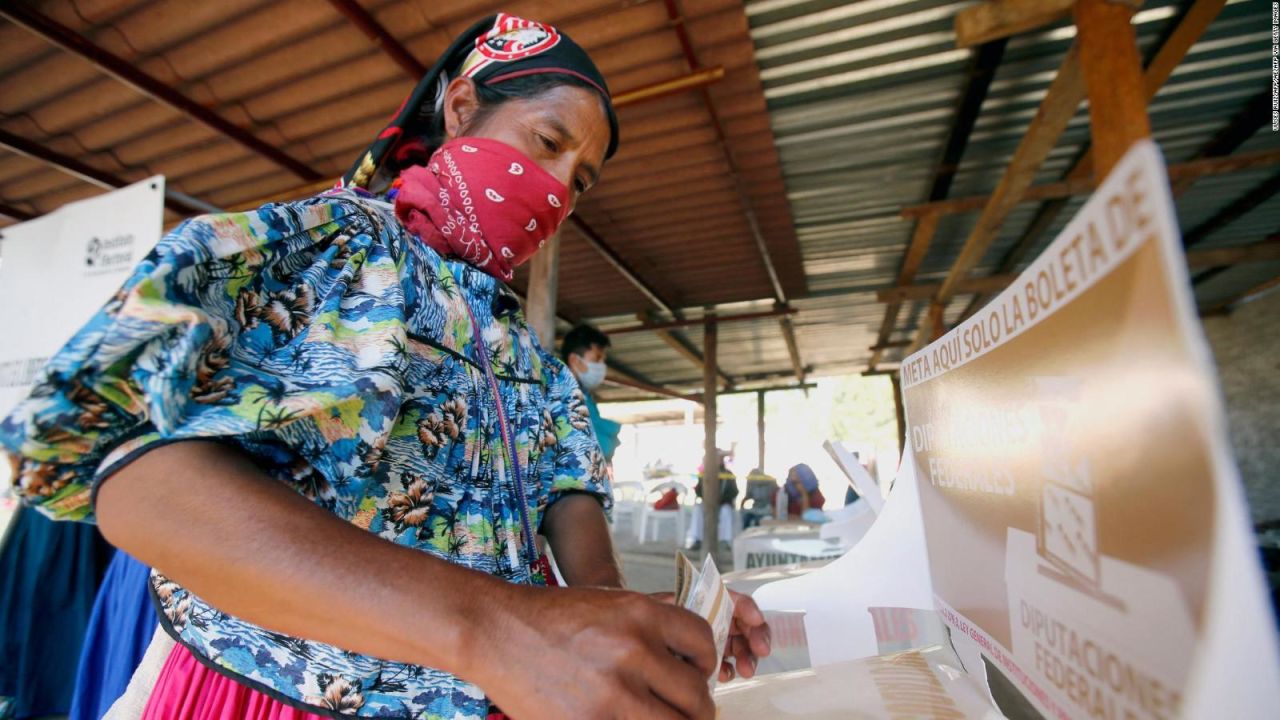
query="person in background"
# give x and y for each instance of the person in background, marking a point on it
(728, 493)
(802, 491)
(757, 503)
(585, 350)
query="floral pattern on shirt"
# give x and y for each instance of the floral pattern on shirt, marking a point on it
(338, 353)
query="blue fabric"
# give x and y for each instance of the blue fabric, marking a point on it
(606, 430)
(120, 629)
(50, 573)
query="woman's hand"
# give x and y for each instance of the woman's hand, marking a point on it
(749, 636)
(593, 653)
(749, 639)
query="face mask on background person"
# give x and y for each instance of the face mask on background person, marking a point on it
(594, 375)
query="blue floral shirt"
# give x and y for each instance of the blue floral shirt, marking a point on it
(341, 354)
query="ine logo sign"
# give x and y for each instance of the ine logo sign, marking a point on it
(108, 254)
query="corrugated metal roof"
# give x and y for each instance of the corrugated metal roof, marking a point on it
(835, 112)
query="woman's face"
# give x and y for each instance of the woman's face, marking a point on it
(564, 130)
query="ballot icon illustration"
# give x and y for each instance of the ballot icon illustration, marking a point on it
(1068, 527)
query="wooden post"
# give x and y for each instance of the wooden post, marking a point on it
(760, 429)
(540, 309)
(898, 411)
(710, 454)
(1113, 79)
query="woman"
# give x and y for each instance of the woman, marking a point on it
(802, 491)
(329, 429)
(725, 525)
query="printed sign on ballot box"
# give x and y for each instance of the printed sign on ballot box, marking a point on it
(1079, 500)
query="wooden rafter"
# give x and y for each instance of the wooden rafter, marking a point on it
(1225, 306)
(1174, 48)
(997, 19)
(981, 71)
(652, 326)
(86, 172)
(130, 74)
(1114, 81)
(1191, 170)
(1056, 110)
(683, 347)
(785, 325)
(1267, 250)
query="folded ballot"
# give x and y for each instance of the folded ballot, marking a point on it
(703, 592)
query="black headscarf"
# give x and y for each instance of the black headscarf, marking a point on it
(499, 48)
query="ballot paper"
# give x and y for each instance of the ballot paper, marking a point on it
(704, 593)
(923, 683)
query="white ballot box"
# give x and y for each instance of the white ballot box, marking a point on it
(1067, 514)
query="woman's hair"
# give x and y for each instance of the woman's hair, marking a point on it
(493, 96)
(490, 98)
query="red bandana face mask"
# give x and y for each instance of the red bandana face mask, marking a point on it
(482, 201)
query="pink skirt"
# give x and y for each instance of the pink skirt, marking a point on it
(190, 690)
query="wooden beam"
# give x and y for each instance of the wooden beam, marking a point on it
(85, 172)
(760, 430)
(793, 347)
(996, 19)
(908, 293)
(1056, 110)
(770, 388)
(1178, 44)
(540, 303)
(1173, 48)
(1059, 105)
(1193, 170)
(921, 238)
(1263, 251)
(15, 213)
(678, 24)
(710, 451)
(678, 342)
(898, 412)
(617, 378)
(651, 326)
(1223, 307)
(1172, 51)
(1234, 211)
(1237, 131)
(370, 26)
(612, 257)
(129, 73)
(981, 70)
(890, 345)
(1114, 82)
(663, 88)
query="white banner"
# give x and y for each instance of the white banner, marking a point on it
(56, 271)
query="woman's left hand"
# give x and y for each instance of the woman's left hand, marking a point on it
(749, 636)
(749, 639)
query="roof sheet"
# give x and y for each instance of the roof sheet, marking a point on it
(835, 113)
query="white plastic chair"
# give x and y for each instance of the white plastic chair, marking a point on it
(628, 504)
(657, 518)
